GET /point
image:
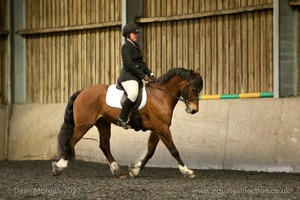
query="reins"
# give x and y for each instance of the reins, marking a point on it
(181, 98)
(178, 98)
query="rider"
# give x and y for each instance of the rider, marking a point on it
(133, 70)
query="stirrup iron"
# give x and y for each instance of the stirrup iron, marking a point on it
(122, 123)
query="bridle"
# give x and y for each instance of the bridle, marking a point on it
(181, 98)
(186, 90)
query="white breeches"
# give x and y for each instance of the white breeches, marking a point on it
(132, 89)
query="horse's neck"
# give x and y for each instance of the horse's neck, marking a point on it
(174, 85)
(173, 88)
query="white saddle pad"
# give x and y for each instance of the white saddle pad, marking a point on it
(114, 96)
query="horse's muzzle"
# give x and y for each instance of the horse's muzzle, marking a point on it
(191, 110)
(194, 111)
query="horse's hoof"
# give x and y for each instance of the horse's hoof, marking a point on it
(187, 172)
(117, 171)
(123, 176)
(56, 170)
(192, 176)
(134, 169)
(132, 174)
(119, 174)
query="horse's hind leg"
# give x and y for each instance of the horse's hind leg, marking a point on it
(135, 168)
(68, 148)
(104, 129)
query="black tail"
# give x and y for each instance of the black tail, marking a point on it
(66, 130)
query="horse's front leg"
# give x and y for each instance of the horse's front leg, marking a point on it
(135, 168)
(166, 137)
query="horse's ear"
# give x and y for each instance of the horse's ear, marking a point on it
(192, 73)
(198, 70)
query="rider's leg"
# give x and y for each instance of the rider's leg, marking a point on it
(131, 87)
(123, 118)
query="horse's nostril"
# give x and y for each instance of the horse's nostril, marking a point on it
(193, 111)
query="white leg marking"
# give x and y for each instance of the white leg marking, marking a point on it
(135, 169)
(58, 167)
(114, 167)
(186, 171)
(62, 163)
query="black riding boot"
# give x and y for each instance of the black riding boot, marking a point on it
(123, 118)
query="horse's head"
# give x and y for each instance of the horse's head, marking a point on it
(190, 89)
(190, 86)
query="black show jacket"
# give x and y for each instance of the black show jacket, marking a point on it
(133, 66)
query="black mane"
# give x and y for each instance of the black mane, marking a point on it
(184, 74)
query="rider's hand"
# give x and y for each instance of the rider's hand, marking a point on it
(153, 79)
(146, 78)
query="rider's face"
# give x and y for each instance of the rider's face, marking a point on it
(133, 37)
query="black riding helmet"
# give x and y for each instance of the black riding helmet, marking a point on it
(130, 28)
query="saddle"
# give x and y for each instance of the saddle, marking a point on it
(139, 98)
(116, 96)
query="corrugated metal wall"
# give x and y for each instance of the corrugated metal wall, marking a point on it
(3, 52)
(70, 45)
(231, 41)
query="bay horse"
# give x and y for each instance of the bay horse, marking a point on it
(88, 108)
